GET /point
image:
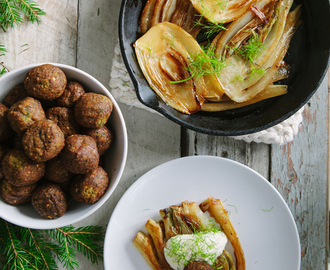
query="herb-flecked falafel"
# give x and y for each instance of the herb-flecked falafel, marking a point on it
(20, 170)
(89, 188)
(73, 91)
(46, 82)
(5, 129)
(24, 113)
(56, 172)
(49, 200)
(64, 118)
(198, 265)
(80, 154)
(93, 110)
(103, 137)
(17, 93)
(43, 141)
(16, 195)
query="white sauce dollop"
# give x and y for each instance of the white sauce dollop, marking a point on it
(181, 249)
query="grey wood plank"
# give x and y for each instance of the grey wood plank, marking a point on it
(254, 155)
(300, 173)
(152, 139)
(53, 40)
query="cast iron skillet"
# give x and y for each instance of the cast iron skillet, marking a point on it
(308, 55)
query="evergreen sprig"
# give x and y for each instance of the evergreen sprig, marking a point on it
(11, 12)
(27, 249)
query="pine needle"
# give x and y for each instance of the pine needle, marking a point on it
(2, 49)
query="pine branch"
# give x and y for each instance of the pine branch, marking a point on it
(32, 10)
(11, 10)
(86, 239)
(66, 254)
(26, 249)
(16, 256)
(10, 15)
(39, 248)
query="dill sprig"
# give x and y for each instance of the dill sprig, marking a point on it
(11, 12)
(250, 51)
(25, 249)
(204, 63)
(209, 28)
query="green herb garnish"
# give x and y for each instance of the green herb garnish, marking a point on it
(209, 28)
(204, 63)
(251, 50)
(265, 210)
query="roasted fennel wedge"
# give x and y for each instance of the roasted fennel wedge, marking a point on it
(251, 65)
(179, 12)
(222, 11)
(269, 92)
(165, 54)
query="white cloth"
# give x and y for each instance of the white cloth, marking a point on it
(122, 89)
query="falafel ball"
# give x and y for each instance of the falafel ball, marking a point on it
(103, 137)
(45, 82)
(24, 113)
(49, 200)
(3, 151)
(56, 172)
(64, 118)
(73, 91)
(5, 129)
(93, 110)
(89, 188)
(17, 93)
(198, 265)
(20, 170)
(43, 141)
(16, 195)
(80, 154)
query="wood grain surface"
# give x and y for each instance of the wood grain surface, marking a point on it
(84, 34)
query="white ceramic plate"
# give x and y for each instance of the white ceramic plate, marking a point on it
(262, 219)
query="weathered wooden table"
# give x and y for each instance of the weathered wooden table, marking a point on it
(84, 34)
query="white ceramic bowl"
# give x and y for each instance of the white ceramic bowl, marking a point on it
(115, 158)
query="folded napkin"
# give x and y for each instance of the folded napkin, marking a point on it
(123, 90)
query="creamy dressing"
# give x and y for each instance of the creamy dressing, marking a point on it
(181, 249)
